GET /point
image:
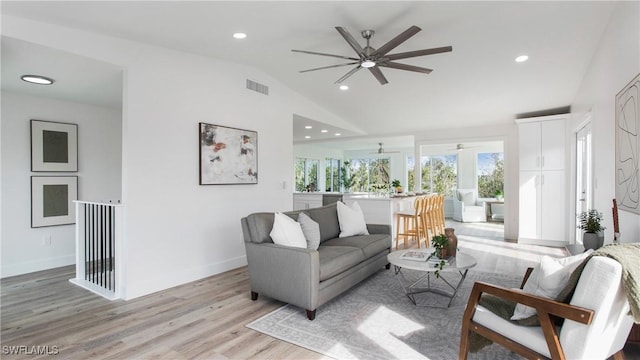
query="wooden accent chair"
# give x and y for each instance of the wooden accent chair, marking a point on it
(596, 326)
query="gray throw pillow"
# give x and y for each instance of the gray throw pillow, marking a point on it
(311, 231)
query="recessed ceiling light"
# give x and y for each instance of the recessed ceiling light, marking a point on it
(308, 127)
(344, 87)
(324, 131)
(307, 137)
(37, 79)
(338, 134)
(239, 35)
(522, 58)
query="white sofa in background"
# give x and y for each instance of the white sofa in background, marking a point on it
(466, 207)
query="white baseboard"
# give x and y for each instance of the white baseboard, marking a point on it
(543, 242)
(136, 289)
(38, 265)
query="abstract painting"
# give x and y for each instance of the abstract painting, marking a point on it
(628, 147)
(227, 155)
(54, 146)
(52, 200)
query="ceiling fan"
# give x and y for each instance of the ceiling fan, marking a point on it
(373, 59)
(382, 151)
(461, 147)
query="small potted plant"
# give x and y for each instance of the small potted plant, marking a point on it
(499, 194)
(590, 221)
(396, 184)
(441, 245)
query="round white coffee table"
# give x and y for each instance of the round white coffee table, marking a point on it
(460, 265)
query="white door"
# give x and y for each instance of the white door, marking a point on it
(584, 181)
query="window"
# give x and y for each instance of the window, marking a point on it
(306, 171)
(370, 175)
(490, 174)
(411, 174)
(439, 173)
(332, 174)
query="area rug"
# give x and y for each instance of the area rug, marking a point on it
(375, 320)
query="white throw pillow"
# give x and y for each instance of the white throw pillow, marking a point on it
(351, 220)
(311, 231)
(548, 279)
(287, 232)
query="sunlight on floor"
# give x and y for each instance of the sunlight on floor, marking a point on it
(386, 328)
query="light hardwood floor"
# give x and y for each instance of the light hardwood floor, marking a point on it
(200, 320)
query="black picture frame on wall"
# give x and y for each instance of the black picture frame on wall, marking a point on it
(227, 155)
(54, 146)
(52, 200)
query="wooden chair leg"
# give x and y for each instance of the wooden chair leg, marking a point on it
(619, 355)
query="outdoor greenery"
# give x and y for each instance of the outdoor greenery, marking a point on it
(439, 174)
(332, 174)
(491, 177)
(369, 174)
(306, 173)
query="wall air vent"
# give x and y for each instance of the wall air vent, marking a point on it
(262, 89)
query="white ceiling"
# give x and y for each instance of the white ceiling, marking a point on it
(479, 83)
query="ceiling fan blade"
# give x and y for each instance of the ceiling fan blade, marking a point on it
(399, 66)
(329, 67)
(323, 54)
(352, 42)
(393, 43)
(410, 54)
(351, 72)
(378, 74)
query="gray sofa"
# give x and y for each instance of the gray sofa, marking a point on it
(309, 278)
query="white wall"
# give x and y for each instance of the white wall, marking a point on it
(616, 62)
(99, 176)
(176, 230)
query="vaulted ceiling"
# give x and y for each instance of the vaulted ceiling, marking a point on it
(477, 84)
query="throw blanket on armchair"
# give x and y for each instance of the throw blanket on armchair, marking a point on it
(628, 255)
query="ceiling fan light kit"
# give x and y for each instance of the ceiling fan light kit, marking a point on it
(373, 59)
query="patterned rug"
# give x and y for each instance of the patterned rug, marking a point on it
(375, 320)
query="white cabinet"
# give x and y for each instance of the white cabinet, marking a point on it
(542, 145)
(306, 201)
(542, 191)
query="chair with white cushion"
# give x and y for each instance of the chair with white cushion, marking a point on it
(466, 207)
(596, 326)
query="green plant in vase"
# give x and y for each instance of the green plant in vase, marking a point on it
(441, 245)
(396, 185)
(590, 222)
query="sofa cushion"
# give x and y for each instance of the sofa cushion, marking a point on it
(327, 217)
(370, 245)
(336, 259)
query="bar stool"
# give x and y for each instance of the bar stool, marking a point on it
(440, 220)
(429, 219)
(412, 223)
